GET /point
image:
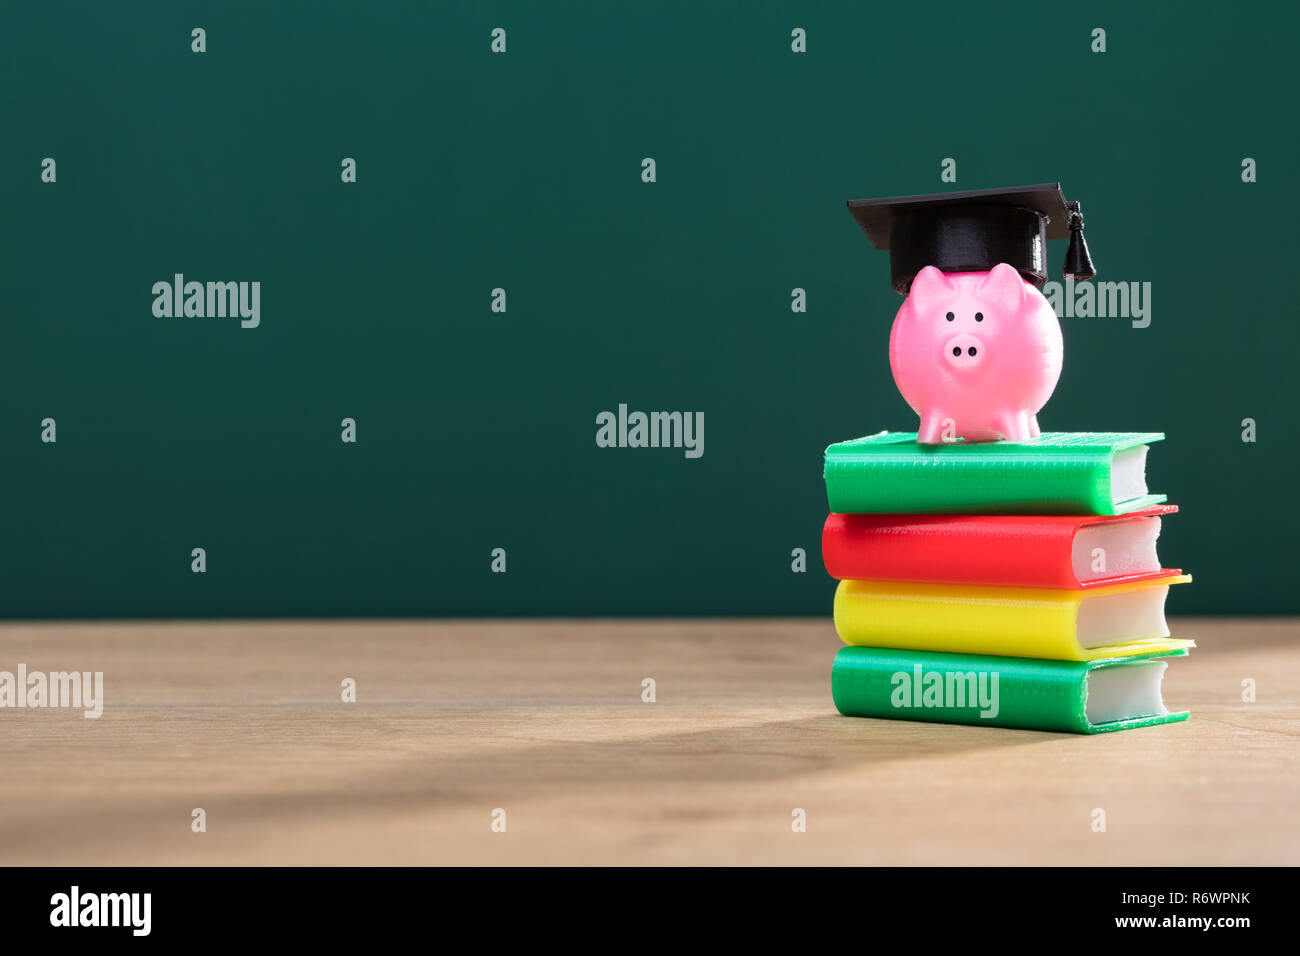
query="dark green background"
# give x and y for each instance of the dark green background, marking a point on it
(477, 430)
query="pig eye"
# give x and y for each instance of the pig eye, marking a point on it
(979, 316)
(950, 316)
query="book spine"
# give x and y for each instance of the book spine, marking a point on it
(958, 550)
(1012, 622)
(960, 689)
(908, 484)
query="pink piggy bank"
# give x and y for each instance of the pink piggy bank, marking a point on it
(976, 354)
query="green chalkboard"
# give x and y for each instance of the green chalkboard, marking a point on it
(523, 170)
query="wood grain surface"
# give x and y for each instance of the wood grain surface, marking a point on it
(544, 719)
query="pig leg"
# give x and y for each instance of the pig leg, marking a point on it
(1015, 426)
(1034, 430)
(932, 428)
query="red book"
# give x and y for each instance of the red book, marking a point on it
(1028, 551)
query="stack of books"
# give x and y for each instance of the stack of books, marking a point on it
(1001, 583)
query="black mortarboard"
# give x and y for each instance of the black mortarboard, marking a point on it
(975, 230)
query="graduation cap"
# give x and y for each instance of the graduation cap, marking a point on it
(973, 231)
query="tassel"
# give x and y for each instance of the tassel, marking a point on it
(1078, 264)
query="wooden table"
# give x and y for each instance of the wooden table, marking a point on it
(545, 720)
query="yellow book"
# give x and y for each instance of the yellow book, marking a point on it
(1116, 621)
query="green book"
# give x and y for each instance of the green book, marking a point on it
(1082, 697)
(1102, 473)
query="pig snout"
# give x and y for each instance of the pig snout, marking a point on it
(964, 352)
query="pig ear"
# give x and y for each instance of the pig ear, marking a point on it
(930, 287)
(1003, 287)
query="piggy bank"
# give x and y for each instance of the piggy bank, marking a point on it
(976, 354)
